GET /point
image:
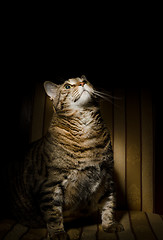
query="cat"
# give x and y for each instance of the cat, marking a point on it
(69, 172)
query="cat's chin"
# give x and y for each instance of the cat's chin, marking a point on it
(84, 99)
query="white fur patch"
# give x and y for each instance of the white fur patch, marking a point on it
(84, 98)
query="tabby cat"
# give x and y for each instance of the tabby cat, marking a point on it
(69, 172)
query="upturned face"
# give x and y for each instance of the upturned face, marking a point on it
(73, 93)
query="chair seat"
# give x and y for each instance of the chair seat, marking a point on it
(137, 225)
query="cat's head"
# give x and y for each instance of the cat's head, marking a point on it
(73, 93)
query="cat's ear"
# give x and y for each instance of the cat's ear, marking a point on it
(51, 89)
(83, 77)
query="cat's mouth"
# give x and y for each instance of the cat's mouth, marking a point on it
(83, 98)
(79, 95)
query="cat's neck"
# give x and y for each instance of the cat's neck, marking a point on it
(77, 119)
(78, 131)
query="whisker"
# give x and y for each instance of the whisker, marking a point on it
(107, 94)
(103, 97)
(104, 93)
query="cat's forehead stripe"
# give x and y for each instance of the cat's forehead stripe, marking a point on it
(74, 80)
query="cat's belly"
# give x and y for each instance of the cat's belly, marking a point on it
(83, 191)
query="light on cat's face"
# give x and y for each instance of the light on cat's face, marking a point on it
(75, 92)
(80, 91)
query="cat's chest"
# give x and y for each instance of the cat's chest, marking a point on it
(80, 186)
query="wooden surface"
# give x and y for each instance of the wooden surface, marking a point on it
(147, 151)
(119, 147)
(138, 226)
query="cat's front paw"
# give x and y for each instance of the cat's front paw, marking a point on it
(113, 227)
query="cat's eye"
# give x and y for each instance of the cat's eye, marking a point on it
(68, 86)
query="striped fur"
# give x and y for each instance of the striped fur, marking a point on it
(69, 172)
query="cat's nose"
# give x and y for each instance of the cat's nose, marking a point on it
(82, 83)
